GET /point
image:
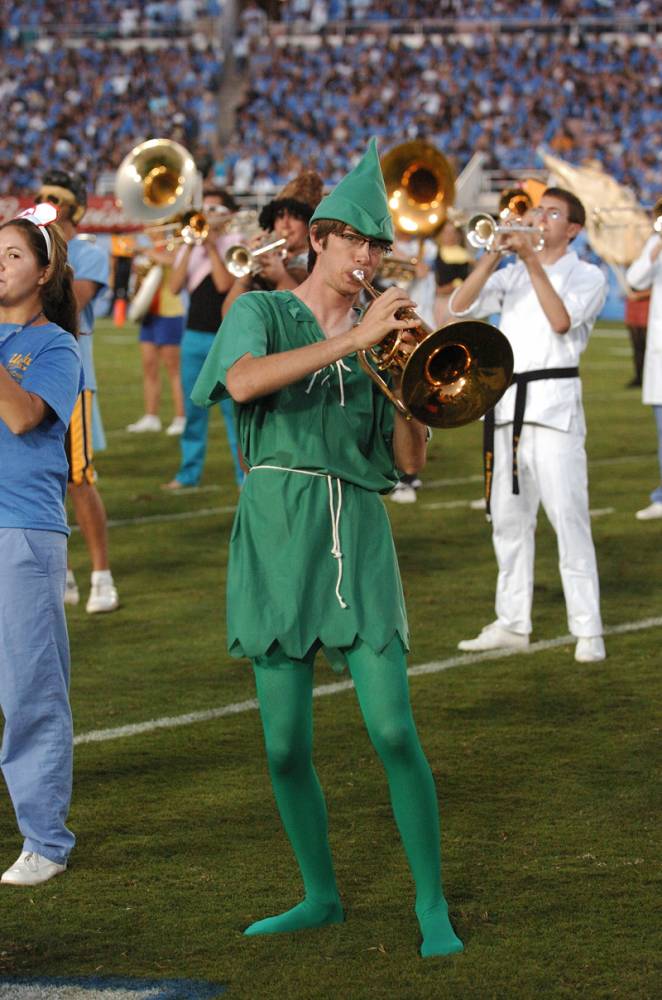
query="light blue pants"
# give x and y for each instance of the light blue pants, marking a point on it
(656, 495)
(37, 744)
(193, 442)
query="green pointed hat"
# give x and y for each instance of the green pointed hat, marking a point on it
(360, 199)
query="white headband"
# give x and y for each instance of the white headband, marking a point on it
(41, 215)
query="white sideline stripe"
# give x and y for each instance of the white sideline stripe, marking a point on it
(453, 504)
(431, 485)
(181, 515)
(435, 667)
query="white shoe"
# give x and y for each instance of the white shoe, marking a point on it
(478, 504)
(402, 493)
(71, 593)
(103, 596)
(31, 868)
(649, 513)
(148, 423)
(590, 649)
(176, 426)
(494, 637)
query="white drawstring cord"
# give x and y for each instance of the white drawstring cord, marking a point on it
(334, 510)
(339, 367)
(336, 551)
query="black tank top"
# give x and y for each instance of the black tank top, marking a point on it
(205, 303)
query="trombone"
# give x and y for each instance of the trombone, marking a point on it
(451, 377)
(240, 260)
(482, 232)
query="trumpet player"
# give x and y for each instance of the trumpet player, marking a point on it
(199, 269)
(534, 437)
(312, 562)
(285, 217)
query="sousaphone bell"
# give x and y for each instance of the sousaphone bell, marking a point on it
(451, 377)
(156, 180)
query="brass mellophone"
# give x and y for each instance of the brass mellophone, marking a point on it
(450, 377)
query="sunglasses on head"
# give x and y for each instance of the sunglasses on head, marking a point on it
(53, 199)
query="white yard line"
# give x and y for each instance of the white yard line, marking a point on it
(432, 484)
(436, 667)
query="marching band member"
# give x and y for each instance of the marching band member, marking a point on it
(286, 217)
(201, 271)
(534, 438)
(160, 336)
(646, 271)
(312, 562)
(91, 268)
(40, 378)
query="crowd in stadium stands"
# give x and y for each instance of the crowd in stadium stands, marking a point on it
(594, 97)
(104, 17)
(585, 95)
(84, 108)
(321, 12)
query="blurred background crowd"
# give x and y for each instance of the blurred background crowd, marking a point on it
(259, 90)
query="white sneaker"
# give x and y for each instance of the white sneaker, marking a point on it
(31, 868)
(148, 423)
(494, 637)
(649, 513)
(402, 493)
(176, 426)
(103, 596)
(590, 649)
(71, 593)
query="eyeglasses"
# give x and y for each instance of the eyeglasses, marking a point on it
(375, 247)
(550, 213)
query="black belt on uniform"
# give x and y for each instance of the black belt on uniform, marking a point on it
(521, 380)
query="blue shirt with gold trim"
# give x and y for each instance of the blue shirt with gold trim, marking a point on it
(44, 360)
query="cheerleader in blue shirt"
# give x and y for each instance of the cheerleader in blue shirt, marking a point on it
(40, 378)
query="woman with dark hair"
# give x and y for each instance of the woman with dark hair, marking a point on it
(40, 378)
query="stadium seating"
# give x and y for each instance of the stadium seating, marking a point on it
(503, 77)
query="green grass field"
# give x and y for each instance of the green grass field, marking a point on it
(545, 768)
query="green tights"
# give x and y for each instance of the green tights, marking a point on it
(284, 689)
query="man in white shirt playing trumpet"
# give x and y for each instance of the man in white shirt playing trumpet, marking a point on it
(548, 301)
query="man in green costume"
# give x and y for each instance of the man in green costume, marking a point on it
(312, 562)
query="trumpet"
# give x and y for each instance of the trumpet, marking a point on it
(452, 376)
(482, 232)
(240, 260)
(193, 227)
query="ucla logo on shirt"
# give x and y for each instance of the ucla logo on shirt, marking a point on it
(18, 364)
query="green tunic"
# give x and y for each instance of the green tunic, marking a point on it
(311, 558)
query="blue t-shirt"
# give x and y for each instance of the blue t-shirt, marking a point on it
(89, 263)
(44, 360)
